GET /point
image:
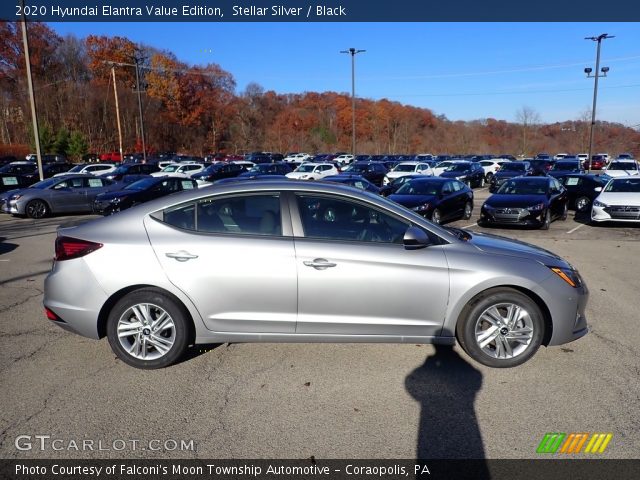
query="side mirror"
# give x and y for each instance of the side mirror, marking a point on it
(598, 189)
(415, 238)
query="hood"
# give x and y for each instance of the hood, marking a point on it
(505, 246)
(621, 173)
(411, 201)
(455, 174)
(619, 198)
(508, 174)
(516, 201)
(298, 174)
(116, 194)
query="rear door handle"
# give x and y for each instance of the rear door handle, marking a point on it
(319, 263)
(181, 256)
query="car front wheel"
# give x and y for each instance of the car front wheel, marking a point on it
(546, 221)
(147, 329)
(501, 328)
(582, 203)
(37, 209)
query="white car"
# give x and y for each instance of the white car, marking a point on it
(344, 159)
(583, 157)
(622, 168)
(442, 166)
(408, 168)
(184, 170)
(92, 168)
(297, 157)
(490, 167)
(313, 171)
(605, 156)
(619, 201)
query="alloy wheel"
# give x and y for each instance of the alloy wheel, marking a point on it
(504, 330)
(146, 331)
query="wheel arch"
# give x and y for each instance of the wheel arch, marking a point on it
(546, 313)
(38, 199)
(103, 316)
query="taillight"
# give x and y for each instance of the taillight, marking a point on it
(68, 248)
(50, 315)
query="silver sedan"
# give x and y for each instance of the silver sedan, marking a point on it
(277, 261)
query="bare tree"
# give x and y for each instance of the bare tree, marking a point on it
(528, 118)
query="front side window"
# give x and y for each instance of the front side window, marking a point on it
(243, 214)
(332, 218)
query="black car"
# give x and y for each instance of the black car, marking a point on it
(30, 169)
(258, 157)
(533, 201)
(12, 181)
(564, 167)
(436, 198)
(582, 189)
(217, 171)
(278, 168)
(139, 192)
(131, 169)
(507, 171)
(396, 183)
(540, 166)
(469, 173)
(7, 159)
(372, 171)
(242, 178)
(353, 180)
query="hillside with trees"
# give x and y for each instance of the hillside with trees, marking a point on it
(198, 110)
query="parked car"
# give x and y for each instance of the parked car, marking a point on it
(618, 168)
(408, 168)
(491, 166)
(396, 183)
(539, 166)
(344, 159)
(372, 171)
(110, 157)
(7, 159)
(190, 259)
(507, 171)
(30, 169)
(619, 201)
(532, 201)
(139, 192)
(279, 168)
(356, 181)
(131, 169)
(13, 181)
(292, 157)
(598, 162)
(582, 189)
(560, 156)
(582, 157)
(624, 156)
(436, 198)
(73, 193)
(92, 168)
(442, 166)
(313, 171)
(184, 170)
(218, 171)
(563, 167)
(469, 173)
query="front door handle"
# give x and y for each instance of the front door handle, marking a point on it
(319, 263)
(181, 256)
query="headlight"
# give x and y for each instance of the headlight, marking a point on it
(15, 197)
(487, 206)
(461, 177)
(596, 203)
(385, 180)
(116, 200)
(572, 277)
(539, 206)
(424, 206)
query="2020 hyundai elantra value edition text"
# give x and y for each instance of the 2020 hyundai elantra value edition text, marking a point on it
(257, 261)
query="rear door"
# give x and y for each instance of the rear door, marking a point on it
(234, 257)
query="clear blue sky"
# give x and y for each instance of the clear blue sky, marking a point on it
(462, 70)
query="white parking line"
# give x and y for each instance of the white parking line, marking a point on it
(469, 226)
(5, 260)
(574, 229)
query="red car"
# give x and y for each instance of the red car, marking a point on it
(110, 157)
(598, 162)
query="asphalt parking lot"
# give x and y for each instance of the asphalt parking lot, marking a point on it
(322, 400)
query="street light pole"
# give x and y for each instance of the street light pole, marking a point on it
(353, 52)
(144, 148)
(597, 75)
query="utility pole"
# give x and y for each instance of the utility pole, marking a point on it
(144, 148)
(353, 52)
(115, 94)
(597, 75)
(32, 99)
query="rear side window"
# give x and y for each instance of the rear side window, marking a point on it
(242, 214)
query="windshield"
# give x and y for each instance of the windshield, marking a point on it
(626, 185)
(212, 168)
(419, 188)
(527, 187)
(171, 168)
(622, 166)
(404, 168)
(512, 167)
(460, 167)
(75, 169)
(141, 184)
(305, 168)
(260, 168)
(46, 183)
(355, 167)
(22, 168)
(443, 164)
(566, 166)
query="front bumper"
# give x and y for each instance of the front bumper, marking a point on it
(616, 213)
(512, 216)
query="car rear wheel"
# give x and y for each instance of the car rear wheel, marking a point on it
(37, 209)
(468, 208)
(488, 177)
(147, 329)
(435, 216)
(481, 183)
(565, 213)
(501, 328)
(546, 223)
(582, 203)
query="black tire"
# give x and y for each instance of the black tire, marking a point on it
(179, 334)
(546, 223)
(482, 182)
(472, 322)
(582, 204)
(488, 177)
(436, 217)
(565, 212)
(37, 209)
(468, 210)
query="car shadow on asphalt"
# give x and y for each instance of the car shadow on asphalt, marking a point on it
(194, 351)
(446, 386)
(6, 247)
